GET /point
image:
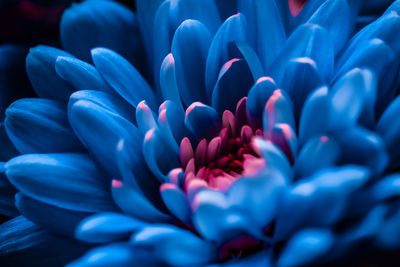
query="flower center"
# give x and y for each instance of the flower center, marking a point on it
(226, 157)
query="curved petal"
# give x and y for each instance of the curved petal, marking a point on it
(40, 126)
(202, 120)
(175, 200)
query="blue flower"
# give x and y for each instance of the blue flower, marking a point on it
(169, 137)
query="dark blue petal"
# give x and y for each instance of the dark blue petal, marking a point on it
(348, 98)
(40, 126)
(102, 23)
(175, 246)
(301, 77)
(311, 41)
(319, 152)
(258, 96)
(40, 66)
(59, 220)
(306, 246)
(159, 155)
(80, 74)
(116, 254)
(100, 130)
(320, 200)
(22, 243)
(175, 200)
(233, 29)
(388, 236)
(54, 178)
(123, 77)
(124, 195)
(189, 48)
(7, 192)
(241, 49)
(336, 17)
(7, 150)
(313, 120)
(389, 128)
(234, 82)
(265, 29)
(202, 120)
(362, 147)
(226, 7)
(107, 227)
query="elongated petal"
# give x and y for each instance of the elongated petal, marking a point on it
(233, 29)
(234, 82)
(145, 118)
(54, 178)
(123, 77)
(40, 67)
(102, 23)
(40, 126)
(190, 60)
(168, 83)
(107, 227)
(175, 200)
(80, 74)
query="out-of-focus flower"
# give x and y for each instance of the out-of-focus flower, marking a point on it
(274, 144)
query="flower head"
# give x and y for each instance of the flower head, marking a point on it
(269, 138)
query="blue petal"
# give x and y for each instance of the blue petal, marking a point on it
(301, 77)
(7, 192)
(306, 246)
(258, 195)
(123, 77)
(387, 188)
(54, 178)
(102, 23)
(100, 130)
(313, 119)
(175, 246)
(168, 83)
(264, 27)
(319, 152)
(59, 220)
(40, 67)
(189, 48)
(124, 195)
(22, 243)
(7, 150)
(348, 97)
(258, 96)
(278, 109)
(389, 128)
(233, 29)
(234, 82)
(336, 17)
(159, 155)
(40, 126)
(145, 117)
(388, 236)
(106, 100)
(309, 40)
(362, 147)
(107, 227)
(175, 200)
(241, 49)
(226, 7)
(320, 200)
(116, 254)
(202, 120)
(80, 74)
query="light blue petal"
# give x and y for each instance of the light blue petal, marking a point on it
(40, 126)
(168, 83)
(389, 128)
(189, 48)
(311, 41)
(388, 187)
(234, 82)
(306, 246)
(81, 75)
(40, 67)
(58, 220)
(102, 23)
(100, 130)
(233, 29)
(107, 227)
(175, 246)
(176, 201)
(145, 117)
(264, 27)
(336, 17)
(123, 77)
(202, 120)
(54, 178)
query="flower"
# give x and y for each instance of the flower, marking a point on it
(269, 138)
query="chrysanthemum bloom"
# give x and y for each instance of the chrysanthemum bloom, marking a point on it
(269, 139)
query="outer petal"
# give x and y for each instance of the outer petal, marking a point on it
(40, 126)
